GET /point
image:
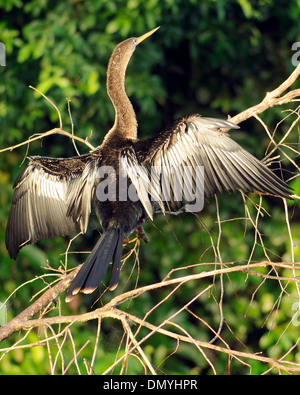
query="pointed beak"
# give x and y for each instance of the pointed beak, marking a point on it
(146, 35)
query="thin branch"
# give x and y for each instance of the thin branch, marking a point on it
(271, 99)
(40, 136)
(52, 104)
(72, 127)
(24, 321)
(50, 296)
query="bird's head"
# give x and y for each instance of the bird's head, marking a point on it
(138, 40)
(125, 49)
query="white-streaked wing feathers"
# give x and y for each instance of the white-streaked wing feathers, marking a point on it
(79, 195)
(46, 204)
(199, 142)
(138, 175)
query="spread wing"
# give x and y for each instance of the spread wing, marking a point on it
(166, 169)
(51, 196)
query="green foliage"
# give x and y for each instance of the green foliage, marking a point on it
(213, 57)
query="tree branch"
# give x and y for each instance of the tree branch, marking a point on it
(271, 99)
(50, 296)
(40, 136)
(24, 320)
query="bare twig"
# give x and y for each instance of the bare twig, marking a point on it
(40, 136)
(271, 99)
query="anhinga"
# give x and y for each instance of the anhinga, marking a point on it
(52, 195)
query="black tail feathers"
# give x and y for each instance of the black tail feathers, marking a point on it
(108, 248)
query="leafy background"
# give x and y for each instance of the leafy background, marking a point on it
(215, 58)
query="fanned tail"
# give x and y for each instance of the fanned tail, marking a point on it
(108, 248)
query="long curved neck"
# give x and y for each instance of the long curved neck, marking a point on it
(125, 120)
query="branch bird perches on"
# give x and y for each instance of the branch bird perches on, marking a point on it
(129, 180)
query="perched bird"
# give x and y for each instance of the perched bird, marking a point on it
(129, 180)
